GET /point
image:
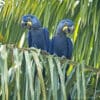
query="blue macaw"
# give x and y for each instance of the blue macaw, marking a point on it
(38, 36)
(61, 45)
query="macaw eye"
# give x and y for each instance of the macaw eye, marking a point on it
(29, 19)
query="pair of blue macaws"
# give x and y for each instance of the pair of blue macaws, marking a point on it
(38, 37)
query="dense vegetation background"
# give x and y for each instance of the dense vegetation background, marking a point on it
(84, 76)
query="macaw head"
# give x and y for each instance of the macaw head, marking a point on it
(30, 21)
(65, 26)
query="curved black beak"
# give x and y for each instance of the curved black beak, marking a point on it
(26, 24)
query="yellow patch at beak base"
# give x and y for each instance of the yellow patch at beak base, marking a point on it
(29, 23)
(65, 28)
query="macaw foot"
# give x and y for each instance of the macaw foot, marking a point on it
(54, 55)
(63, 57)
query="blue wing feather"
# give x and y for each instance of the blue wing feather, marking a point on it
(46, 34)
(51, 48)
(70, 48)
(29, 37)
